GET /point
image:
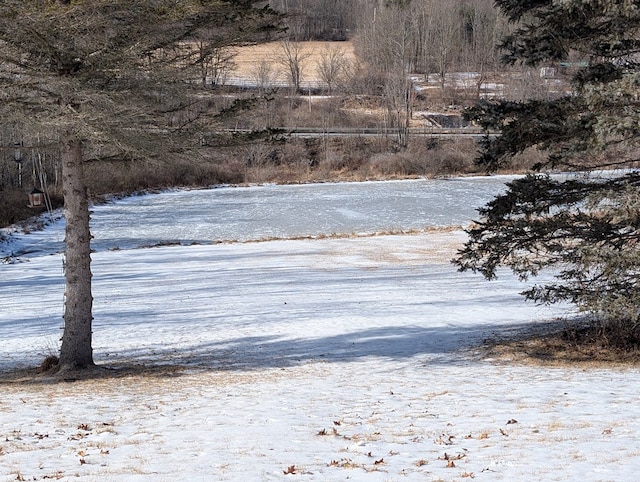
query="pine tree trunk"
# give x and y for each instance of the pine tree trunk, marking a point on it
(76, 351)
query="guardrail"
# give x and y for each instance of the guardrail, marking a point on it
(311, 132)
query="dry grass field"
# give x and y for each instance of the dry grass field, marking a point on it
(248, 59)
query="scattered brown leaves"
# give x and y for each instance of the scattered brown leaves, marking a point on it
(290, 470)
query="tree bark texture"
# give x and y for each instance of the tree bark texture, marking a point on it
(76, 351)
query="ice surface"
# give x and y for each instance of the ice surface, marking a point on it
(263, 212)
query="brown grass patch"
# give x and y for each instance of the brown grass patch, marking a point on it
(574, 345)
(152, 378)
(248, 58)
(39, 376)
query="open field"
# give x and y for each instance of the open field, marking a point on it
(248, 59)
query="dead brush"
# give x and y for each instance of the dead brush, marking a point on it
(49, 364)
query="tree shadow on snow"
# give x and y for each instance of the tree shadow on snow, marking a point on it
(444, 345)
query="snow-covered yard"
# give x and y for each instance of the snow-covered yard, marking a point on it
(339, 358)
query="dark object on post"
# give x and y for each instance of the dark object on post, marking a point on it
(36, 198)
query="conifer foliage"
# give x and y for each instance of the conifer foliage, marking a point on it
(584, 228)
(112, 78)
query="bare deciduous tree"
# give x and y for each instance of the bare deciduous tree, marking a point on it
(291, 57)
(331, 66)
(265, 76)
(480, 32)
(388, 46)
(215, 63)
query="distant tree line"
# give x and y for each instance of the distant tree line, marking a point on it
(320, 19)
(427, 35)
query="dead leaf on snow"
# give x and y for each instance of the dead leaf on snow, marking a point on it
(56, 476)
(343, 463)
(458, 456)
(445, 439)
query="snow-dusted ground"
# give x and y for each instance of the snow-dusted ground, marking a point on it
(299, 359)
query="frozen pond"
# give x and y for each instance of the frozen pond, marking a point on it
(274, 211)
